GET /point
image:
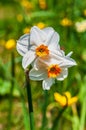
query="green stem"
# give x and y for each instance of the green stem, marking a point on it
(11, 91)
(26, 118)
(44, 121)
(29, 96)
(83, 114)
(56, 121)
(25, 113)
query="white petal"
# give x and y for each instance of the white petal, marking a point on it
(53, 41)
(51, 59)
(62, 61)
(23, 44)
(63, 74)
(28, 58)
(21, 49)
(48, 30)
(62, 52)
(69, 54)
(37, 36)
(68, 62)
(47, 83)
(51, 34)
(38, 64)
(25, 38)
(37, 74)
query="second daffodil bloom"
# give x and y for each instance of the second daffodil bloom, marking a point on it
(53, 67)
(65, 99)
(38, 44)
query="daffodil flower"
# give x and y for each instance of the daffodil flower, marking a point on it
(37, 44)
(65, 99)
(53, 67)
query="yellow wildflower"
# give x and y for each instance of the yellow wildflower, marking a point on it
(19, 17)
(10, 44)
(66, 22)
(26, 4)
(42, 4)
(65, 99)
(40, 25)
(84, 12)
(26, 30)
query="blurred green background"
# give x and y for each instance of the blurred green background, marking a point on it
(68, 18)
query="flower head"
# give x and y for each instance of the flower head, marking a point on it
(42, 4)
(26, 30)
(19, 18)
(40, 25)
(27, 4)
(39, 43)
(80, 26)
(55, 66)
(65, 99)
(40, 48)
(66, 22)
(10, 44)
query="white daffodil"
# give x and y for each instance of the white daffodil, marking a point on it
(39, 43)
(53, 67)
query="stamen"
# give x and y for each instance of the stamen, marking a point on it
(54, 71)
(42, 50)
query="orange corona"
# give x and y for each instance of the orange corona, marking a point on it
(53, 71)
(42, 51)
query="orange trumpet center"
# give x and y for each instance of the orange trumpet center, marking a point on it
(53, 71)
(42, 51)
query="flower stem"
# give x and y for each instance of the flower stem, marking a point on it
(44, 110)
(29, 96)
(11, 91)
(24, 108)
(56, 121)
(83, 114)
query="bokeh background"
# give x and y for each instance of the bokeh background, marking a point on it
(68, 18)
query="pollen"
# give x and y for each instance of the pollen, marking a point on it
(53, 71)
(42, 51)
